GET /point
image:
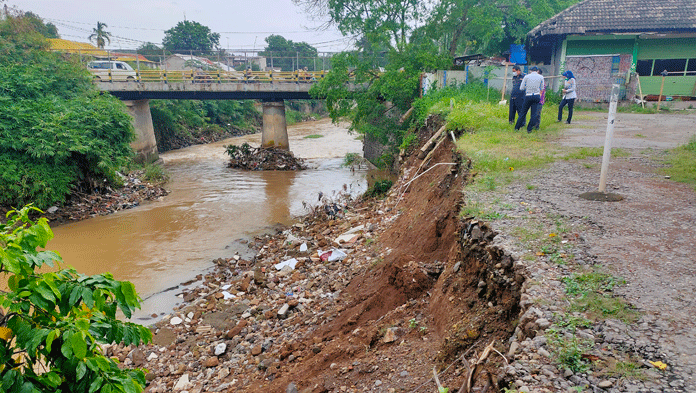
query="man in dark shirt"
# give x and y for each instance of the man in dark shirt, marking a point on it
(517, 95)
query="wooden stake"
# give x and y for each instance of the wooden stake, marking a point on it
(662, 87)
(640, 91)
(502, 95)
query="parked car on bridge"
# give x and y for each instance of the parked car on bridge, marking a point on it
(120, 71)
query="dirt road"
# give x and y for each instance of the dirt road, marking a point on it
(648, 239)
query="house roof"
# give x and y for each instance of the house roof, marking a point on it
(621, 16)
(76, 47)
(130, 57)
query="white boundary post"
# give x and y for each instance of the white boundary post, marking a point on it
(609, 137)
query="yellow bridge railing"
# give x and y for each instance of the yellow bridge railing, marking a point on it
(171, 76)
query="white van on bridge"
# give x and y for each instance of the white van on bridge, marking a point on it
(107, 71)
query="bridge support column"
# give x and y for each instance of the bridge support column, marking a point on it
(275, 130)
(145, 144)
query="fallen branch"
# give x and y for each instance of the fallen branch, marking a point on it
(470, 380)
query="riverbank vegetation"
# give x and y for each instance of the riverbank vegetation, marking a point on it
(52, 324)
(58, 134)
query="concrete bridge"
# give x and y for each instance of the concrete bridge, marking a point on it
(272, 88)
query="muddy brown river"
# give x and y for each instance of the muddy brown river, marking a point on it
(159, 245)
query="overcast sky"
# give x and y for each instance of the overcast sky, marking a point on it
(241, 24)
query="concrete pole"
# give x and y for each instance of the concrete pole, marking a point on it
(609, 137)
(275, 130)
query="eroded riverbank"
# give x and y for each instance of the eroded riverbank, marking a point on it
(209, 209)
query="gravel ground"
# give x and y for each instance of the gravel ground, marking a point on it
(647, 239)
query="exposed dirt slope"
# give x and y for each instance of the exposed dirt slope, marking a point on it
(419, 288)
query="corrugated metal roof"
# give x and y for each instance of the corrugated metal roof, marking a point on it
(76, 47)
(621, 16)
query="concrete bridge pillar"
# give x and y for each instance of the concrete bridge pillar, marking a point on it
(145, 144)
(275, 129)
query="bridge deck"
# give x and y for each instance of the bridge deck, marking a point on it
(208, 91)
(210, 85)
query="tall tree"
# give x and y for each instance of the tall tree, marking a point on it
(287, 54)
(100, 36)
(489, 26)
(151, 51)
(48, 30)
(190, 36)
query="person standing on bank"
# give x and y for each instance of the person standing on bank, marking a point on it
(532, 84)
(542, 99)
(569, 96)
(516, 95)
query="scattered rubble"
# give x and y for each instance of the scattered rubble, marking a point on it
(365, 296)
(79, 206)
(267, 159)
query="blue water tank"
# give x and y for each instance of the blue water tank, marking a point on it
(518, 54)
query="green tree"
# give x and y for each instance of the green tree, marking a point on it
(289, 55)
(387, 21)
(488, 25)
(51, 324)
(151, 51)
(48, 30)
(190, 36)
(100, 36)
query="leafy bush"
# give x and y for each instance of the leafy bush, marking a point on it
(56, 129)
(379, 189)
(52, 323)
(477, 116)
(176, 119)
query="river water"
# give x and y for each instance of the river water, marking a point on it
(210, 208)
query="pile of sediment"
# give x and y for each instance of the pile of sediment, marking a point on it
(263, 158)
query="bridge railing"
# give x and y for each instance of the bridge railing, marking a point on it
(218, 76)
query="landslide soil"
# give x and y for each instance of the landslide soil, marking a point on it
(420, 287)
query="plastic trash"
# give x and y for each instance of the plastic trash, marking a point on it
(290, 262)
(332, 255)
(226, 295)
(303, 247)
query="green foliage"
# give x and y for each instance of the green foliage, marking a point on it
(592, 293)
(54, 322)
(100, 36)
(372, 100)
(56, 129)
(682, 163)
(568, 351)
(489, 26)
(48, 30)
(379, 189)
(190, 36)
(155, 173)
(289, 55)
(387, 22)
(351, 159)
(440, 100)
(177, 119)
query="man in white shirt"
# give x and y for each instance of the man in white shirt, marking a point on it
(532, 84)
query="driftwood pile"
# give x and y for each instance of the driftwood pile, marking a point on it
(266, 159)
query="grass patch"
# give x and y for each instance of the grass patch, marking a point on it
(480, 212)
(155, 173)
(586, 152)
(627, 370)
(568, 351)
(592, 293)
(313, 136)
(682, 163)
